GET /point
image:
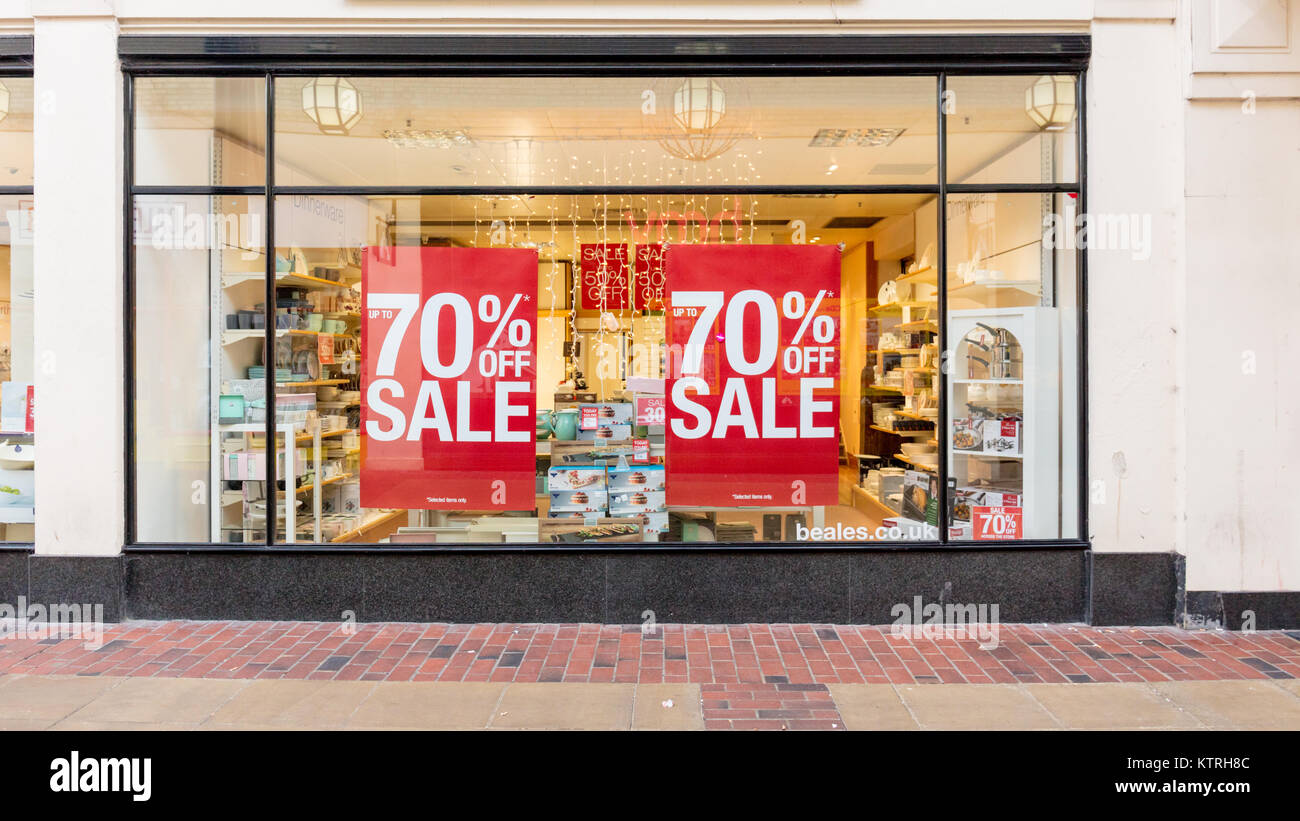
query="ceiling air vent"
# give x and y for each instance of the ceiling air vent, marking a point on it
(865, 137)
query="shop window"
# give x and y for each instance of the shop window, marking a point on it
(17, 359)
(611, 131)
(674, 352)
(200, 131)
(1017, 129)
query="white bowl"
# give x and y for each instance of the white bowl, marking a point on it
(912, 450)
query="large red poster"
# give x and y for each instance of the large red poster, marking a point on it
(449, 378)
(753, 387)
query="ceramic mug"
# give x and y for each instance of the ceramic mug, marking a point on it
(314, 322)
(544, 425)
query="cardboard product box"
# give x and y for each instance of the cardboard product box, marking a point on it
(560, 531)
(575, 478)
(627, 504)
(654, 526)
(968, 435)
(920, 492)
(1002, 436)
(610, 413)
(571, 501)
(591, 453)
(966, 498)
(606, 433)
(637, 478)
(1000, 472)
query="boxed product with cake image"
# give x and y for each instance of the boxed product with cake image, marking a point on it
(606, 433)
(578, 501)
(577, 478)
(608, 413)
(560, 531)
(637, 477)
(637, 501)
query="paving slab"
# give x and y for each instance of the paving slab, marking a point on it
(565, 706)
(174, 700)
(667, 707)
(50, 698)
(293, 704)
(432, 705)
(871, 707)
(1243, 705)
(1111, 707)
(975, 707)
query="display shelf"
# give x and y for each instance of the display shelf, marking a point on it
(387, 517)
(885, 388)
(282, 278)
(921, 325)
(983, 293)
(324, 483)
(317, 383)
(986, 455)
(307, 437)
(928, 468)
(230, 337)
(928, 274)
(899, 307)
(988, 381)
(900, 432)
(872, 504)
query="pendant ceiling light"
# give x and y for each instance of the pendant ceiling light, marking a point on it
(332, 103)
(4, 101)
(698, 118)
(1049, 102)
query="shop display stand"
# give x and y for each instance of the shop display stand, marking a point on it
(1036, 329)
(288, 432)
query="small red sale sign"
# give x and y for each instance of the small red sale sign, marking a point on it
(650, 410)
(997, 523)
(449, 378)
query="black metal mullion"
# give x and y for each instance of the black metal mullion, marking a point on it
(941, 433)
(268, 310)
(128, 308)
(1081, 300)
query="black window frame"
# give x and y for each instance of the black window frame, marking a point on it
(274, 57)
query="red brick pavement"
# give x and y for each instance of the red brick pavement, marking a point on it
(745, 654)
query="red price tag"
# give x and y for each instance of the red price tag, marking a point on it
(640, 451)
(588, 420)
(449, 378)
(996, 523)
(753, 395)
(650, 410)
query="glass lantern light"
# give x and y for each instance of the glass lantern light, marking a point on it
(1049, 102)
(332, 103)
(699, 104)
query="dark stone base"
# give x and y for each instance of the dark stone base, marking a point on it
(621, 587)
(1237, 611)
(609, 587)
(1134, 589)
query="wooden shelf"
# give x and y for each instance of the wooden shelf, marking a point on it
(307, 437)
(921, 325)
(900, 432)
(926, 274)
(379, 521)
(324, 483)
(281, 278)
(884, 388)
(981, 292)
(314, 384)
(916, 416)
(918, 465)
(897, 307)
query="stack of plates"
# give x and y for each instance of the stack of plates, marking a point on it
(259, 372)
(735, 532)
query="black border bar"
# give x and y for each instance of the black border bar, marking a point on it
(558, 54)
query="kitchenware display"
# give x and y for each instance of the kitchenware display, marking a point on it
(314, 322)
(544, 424)
(565, 425)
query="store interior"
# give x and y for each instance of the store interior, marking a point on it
(1011, 318)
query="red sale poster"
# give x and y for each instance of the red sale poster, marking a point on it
(449, 378)
(604, 271)
(753, 391)
(648, 278)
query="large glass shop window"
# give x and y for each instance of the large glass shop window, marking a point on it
(17, 358)
(507, 365)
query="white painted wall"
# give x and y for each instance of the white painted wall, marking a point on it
(78, 280)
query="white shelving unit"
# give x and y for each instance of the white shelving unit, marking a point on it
(1037, 396)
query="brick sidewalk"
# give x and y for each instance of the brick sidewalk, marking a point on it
(717, 656)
